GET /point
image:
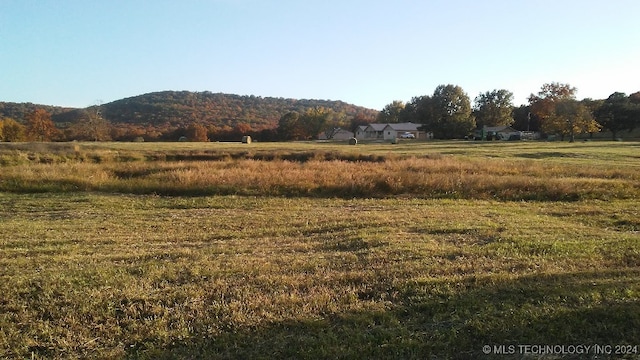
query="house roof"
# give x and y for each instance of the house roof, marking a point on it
(503, 128)
(377, 127)
(404, 126)
(394, 126)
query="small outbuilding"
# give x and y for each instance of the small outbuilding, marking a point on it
(336, 134)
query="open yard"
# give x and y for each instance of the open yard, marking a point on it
(442, 250)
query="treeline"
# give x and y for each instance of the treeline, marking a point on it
(553, 111)
(203, 116)
(168, 116)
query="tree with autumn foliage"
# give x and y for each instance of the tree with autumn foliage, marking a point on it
(242, 129)
(12, 131)
(573, 117)
(560, 113)
(310, 124)
(197, 133)
(40, 127)
(91, 126)
(95, 125)
(360, 119)
(289, 127)
(315, 120)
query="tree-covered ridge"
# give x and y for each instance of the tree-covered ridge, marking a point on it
(20, 111)
(181, 108)
(170, 115)
(186, 107)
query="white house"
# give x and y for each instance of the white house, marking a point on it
(370, 132)
(393, 131)
(390, 131)
(498, 133)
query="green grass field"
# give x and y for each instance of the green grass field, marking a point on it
(319, 250)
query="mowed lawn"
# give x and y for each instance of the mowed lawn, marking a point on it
(94, 267)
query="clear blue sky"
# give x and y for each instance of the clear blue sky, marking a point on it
(364, 52)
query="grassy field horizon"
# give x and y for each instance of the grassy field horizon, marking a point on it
(443, 250)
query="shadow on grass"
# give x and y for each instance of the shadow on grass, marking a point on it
(436, 319)
(547, 155)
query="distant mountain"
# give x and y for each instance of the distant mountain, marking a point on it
(18, 111)
(179, 108)
(182, 108)
(166, 115)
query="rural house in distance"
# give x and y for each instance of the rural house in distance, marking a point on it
(391, 131)
(503, 133)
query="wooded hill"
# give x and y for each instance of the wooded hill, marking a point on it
(206, 108)
(168, 111)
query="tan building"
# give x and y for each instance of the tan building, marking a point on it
(391, 131)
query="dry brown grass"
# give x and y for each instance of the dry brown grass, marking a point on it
(88, 275)
(440, 177)
(411, 250)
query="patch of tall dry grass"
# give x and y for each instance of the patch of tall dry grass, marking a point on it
(439, 177)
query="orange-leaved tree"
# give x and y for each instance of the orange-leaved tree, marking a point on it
(560, 113)
(40, 127)
(197, 132)
(12, 131)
